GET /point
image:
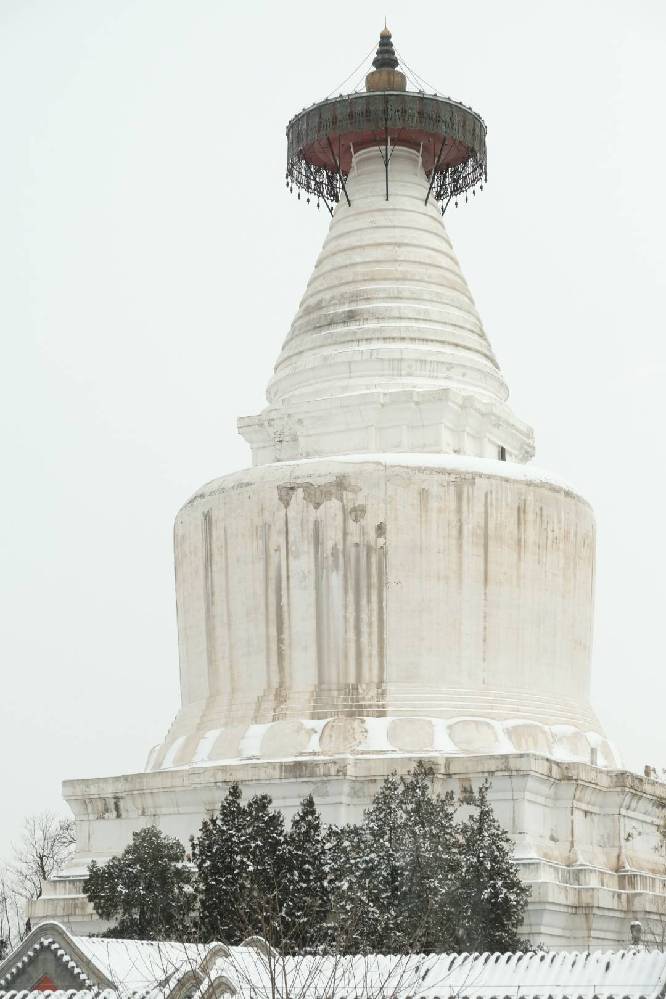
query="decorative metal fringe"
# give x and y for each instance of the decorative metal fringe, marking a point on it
(449, 182)
(315, 180)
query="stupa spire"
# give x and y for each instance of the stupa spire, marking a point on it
(387, 352)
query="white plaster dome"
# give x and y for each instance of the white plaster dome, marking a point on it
(387, 351)
(384, 604)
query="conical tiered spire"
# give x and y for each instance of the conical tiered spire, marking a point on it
(387, 351)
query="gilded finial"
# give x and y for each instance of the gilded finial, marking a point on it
(386, 75)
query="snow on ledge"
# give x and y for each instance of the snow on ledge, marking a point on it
(426, 461)
(450, 462)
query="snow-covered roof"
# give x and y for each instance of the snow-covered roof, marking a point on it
(559, 975)
(137, 967)
(61, 994)
(152, 970)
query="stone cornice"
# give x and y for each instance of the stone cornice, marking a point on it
(360, 767)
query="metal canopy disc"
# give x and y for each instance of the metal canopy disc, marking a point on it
(321, 139)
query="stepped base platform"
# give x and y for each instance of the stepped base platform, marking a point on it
(587, 839)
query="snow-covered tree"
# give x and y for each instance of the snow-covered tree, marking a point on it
(411, 877)
(221, 855)
(258, 878)
(393, 875)
(240, 854)
(490, 898)
(149, 889)
(267, 853)
(306, 891)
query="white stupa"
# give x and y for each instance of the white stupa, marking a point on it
(392, 580)
(409, 590)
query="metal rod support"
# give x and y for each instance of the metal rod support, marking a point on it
(434, 170)
(386, 155)
(337, 167)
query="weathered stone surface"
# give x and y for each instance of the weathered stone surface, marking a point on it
(381, 588)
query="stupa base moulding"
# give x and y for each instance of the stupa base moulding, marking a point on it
(586, 839)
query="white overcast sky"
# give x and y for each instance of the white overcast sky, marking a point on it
(150, 264)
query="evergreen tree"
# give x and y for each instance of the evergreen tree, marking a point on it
(149, 889)
(409, 877)
(306, 894)
(490, 897)
(267, 846)
(267, 849)
(221, 855)
(240, 856)
(351, 871)
(393, 875)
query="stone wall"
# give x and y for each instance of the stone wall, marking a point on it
(586, 839)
